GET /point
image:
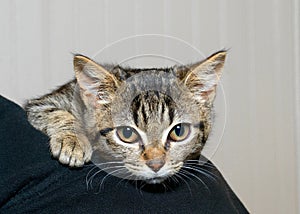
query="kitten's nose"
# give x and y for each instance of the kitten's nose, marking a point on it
(155, 164)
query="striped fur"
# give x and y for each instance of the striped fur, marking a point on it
(82, 116)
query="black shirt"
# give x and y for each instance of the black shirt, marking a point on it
(32, 182)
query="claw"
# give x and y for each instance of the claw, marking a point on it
(68, 151)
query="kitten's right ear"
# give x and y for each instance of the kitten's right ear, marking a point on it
(94, 80)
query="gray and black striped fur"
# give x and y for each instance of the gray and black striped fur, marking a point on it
(83, 115)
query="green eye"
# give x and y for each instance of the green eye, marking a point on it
(179, 132)
(127, 134)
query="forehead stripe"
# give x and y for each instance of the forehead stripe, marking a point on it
(135, 108)
(144, 114)
(150, 106)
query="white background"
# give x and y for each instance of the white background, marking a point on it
(258, 153)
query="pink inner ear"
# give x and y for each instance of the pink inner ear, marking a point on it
(88, 98)
(207, 93)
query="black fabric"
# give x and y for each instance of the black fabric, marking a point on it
(32, 182)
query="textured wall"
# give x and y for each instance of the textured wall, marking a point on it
(258, 151)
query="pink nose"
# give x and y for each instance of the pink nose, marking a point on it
(155, 164)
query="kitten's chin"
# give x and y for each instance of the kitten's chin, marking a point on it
(156, 180)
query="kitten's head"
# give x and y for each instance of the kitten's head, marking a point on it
(151, 120)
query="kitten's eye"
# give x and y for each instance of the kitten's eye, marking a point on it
(127, 134)
(179, 132)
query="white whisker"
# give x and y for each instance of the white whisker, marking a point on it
(90, 179)
(174, 178)
(141, 187)
(107, 163)
(199, 179)
(200, 163)
(179, 176)
(202, 171)
(86, 177)
(108, 175)
(125, 178)
(197, 164)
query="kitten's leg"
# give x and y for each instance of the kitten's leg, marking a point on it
(59, 126)
(52, 115)
(64, 144)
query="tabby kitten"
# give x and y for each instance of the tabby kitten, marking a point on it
(150, 120)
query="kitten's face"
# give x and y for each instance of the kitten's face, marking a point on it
(151, 120)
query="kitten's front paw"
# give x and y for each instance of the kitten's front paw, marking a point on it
(67, 149)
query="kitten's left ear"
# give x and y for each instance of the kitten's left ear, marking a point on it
(203, 77)
(97, 84)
